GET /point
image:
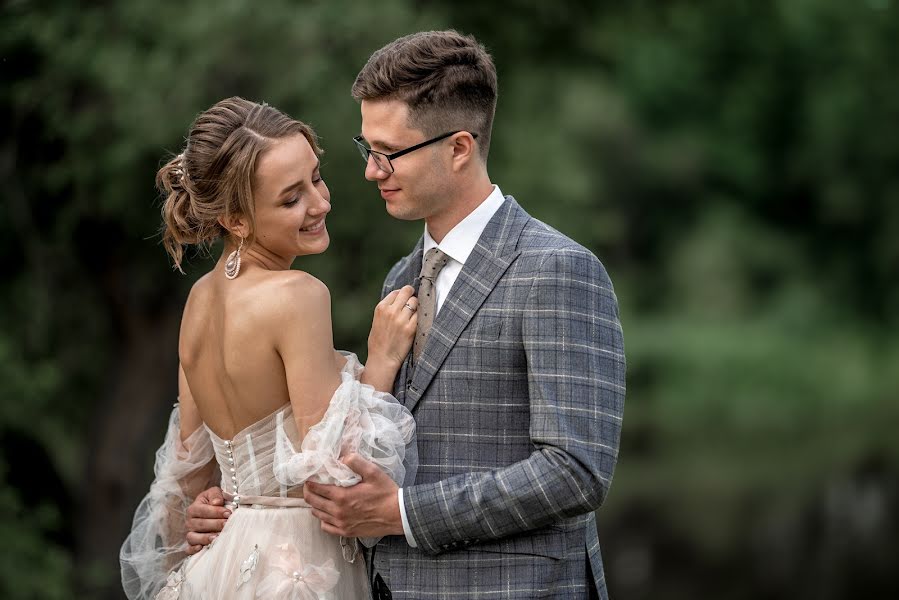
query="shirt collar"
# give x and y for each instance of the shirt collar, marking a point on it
(461, 239)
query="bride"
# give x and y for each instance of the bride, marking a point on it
(265, 402)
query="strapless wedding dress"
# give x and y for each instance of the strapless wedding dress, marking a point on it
(271, 546)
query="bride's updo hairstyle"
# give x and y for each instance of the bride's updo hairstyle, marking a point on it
(213, 177)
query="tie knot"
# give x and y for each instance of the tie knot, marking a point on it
(435, 259)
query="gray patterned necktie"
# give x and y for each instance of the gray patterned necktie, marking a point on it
(435, 259)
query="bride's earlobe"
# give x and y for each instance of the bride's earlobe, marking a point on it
(235, 224)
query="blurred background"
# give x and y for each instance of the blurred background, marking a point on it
(733, 164)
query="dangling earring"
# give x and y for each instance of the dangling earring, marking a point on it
(232, 265)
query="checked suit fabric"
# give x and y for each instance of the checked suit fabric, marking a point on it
(518, 396)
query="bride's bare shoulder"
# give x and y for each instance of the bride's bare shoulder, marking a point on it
(200, 292)
(278, 293)
(294, 292)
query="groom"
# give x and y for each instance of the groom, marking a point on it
(516, 378)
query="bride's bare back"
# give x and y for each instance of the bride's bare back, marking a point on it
(250, 345)
(254, 338)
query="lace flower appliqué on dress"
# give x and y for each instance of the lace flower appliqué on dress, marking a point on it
(272, 545)
(172, 588)
(291, 579)
(248, 566)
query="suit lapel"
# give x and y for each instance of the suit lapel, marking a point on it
(407, 275)
(491, 256)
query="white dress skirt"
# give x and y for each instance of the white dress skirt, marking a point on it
(272, 546)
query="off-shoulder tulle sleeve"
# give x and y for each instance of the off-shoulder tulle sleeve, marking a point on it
(157, 540)
(359, 419)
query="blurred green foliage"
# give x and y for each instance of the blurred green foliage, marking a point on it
(732, 164)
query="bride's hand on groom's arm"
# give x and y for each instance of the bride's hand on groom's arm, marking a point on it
(392, 332)
(205, 519)
(368, 509)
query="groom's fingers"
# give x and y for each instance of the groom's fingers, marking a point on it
(207, 505)
(365, 469)
(197, 511)
(193, 549)
(203, 531)
(203, 526)
(318, 489)
(196, 541)
(326, 519)
(319, 498)
(332, 530)
(333, 518)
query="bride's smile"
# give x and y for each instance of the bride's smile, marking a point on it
(292, 201)
(265, 403)
(316, 228)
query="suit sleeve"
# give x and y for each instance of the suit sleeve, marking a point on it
(576, 378)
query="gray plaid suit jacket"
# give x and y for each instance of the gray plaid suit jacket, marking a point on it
(518, 398)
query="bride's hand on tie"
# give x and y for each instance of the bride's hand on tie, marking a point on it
(205, 519)
(392, 332)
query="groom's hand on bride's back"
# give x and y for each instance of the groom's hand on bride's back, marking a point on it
(205, 519)
(368, 509)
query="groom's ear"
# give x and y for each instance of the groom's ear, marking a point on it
(465, 150)
(236, 225)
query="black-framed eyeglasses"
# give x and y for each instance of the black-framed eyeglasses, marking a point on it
(383, 161)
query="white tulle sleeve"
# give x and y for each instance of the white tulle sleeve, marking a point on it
(157, 542)
(359, 419)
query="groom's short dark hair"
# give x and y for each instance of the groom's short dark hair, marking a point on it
(447, 79)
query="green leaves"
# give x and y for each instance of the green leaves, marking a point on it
(732, 165)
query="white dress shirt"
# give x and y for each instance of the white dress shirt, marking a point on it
(457, 244)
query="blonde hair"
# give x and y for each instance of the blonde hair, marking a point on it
(213, 177)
